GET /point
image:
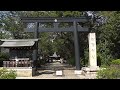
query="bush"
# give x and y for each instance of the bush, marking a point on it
(109, 73)
(3, 57)
(7, 74)
(116, 62)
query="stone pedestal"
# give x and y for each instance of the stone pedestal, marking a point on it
(90, 72)
(34, 71)
(90, 69)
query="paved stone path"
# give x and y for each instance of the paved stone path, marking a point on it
(48, 72)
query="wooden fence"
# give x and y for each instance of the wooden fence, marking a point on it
(20, 63)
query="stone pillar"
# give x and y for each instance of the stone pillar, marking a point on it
(92, 68)
(92, 50)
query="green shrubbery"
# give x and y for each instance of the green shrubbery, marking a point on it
(71, 61)
(7, 74)
(116, 62)
(110, 72)
(3, 57)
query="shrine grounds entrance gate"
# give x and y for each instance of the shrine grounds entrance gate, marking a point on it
(77, 25)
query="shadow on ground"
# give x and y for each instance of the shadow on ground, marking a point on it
(41, 72)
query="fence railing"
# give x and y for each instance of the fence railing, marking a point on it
(20, 63)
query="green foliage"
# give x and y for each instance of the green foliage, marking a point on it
(7, 74)
(116, 62)
(71, 61)
(45, 45)
(3, 57)
(108, 73)
(107, 35)
(64, 45)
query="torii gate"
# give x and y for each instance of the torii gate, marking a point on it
(75, 28)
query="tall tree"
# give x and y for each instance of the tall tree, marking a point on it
(108, 37)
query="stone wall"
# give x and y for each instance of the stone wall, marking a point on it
(24, 72)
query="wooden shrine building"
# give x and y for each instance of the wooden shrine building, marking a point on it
(20, 51)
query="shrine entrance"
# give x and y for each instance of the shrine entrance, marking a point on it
(76, 24)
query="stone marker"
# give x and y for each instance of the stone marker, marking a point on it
(92, 68)
(92, 50)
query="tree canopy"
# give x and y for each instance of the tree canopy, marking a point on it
(107, 35)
